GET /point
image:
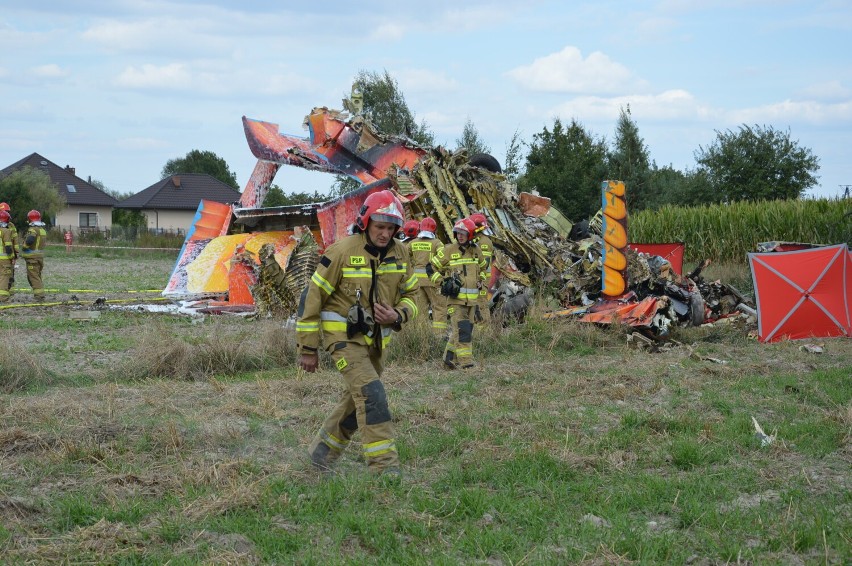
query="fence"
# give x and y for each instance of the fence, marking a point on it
(125, 236)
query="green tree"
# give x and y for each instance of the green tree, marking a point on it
(197, 161)
(667, 185)
(277, 197)
(757, 163)
(30, 189)
(387, 110)
(566, 165)
(122, 216)
(628, 161)
(471, 141)
(514, 159)
(385, 107)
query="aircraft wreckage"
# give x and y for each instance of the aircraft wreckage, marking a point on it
(247, 258)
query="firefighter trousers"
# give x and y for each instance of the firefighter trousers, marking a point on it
(5, 278)
(363, 406)
(34, 267)
(459, 349)
(430, 296)
(483, 313)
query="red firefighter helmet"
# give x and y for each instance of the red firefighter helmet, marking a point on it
(34, 216)
(4, 206)
(411, 229)
(428, 225)
(466, 226)
(382, 206)
(480, 220)
(4, 216)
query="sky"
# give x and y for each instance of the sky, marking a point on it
(117, 88)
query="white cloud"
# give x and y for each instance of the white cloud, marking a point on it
(425, 81)
(669, 105)
(388, 32)
(568, 72)
(174, 76)
(788, 111)
(51, 71)
(829, 91)
(141, 143)
(128, 35)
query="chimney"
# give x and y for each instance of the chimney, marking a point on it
(176, 181)
(70, 169)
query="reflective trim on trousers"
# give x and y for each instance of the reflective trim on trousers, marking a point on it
(378, 448)
(333, 442)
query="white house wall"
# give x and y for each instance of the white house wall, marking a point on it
(70, 216)
(169, 220)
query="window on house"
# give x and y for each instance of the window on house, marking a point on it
(71, 188)
(88, 220)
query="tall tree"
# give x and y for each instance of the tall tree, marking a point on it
(197, 161)
(567, 164)
(122, 216)
(471, 140)
(514, 159)
(30, 189)
(628, 161)
(277, 197)
(757, 163)
(385, 107)
(667, 185)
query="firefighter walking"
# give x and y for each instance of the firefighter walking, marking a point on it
(486, 248)
(362, 291)
(423, 250)
(7, 255)
(32, 250)
(461, 269)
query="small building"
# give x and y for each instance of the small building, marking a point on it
(170, 204)
(88, 207)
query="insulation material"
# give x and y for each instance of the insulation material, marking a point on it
(671, 252)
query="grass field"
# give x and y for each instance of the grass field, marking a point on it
(143, 438)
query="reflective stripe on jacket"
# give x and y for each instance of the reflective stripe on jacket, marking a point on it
(7, 250)
(465, 261)
(38, 236)
(347, 267)
(423, 250)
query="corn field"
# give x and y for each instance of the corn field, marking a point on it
(728, 232)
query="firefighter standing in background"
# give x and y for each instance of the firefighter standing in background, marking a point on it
(423, 250)
(362, 290)
(409, 230)
(462, 268)
(5, 207)
(486, 248)
(7, 255)
(32, 248)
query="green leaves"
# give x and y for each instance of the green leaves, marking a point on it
(758, 163)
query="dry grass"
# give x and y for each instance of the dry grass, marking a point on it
(19, 368)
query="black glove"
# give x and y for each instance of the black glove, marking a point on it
(451, 286)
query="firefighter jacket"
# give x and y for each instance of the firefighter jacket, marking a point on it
(354, 271)
(423, 250)
(486, 248)
(14, 238)
(466, 261)
(7, 242)
(35, 240)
